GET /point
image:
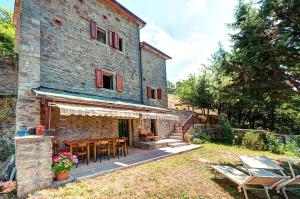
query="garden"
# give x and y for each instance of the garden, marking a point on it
(183, 176)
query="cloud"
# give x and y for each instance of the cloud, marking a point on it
(195, 6)
(188, 55)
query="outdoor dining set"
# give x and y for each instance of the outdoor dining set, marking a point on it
(99, 147)
(260, 171)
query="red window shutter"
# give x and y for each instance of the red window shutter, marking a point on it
(119, 80)
(149, 92)
(99, 78)
(93, 27)
(159, 94)
(111, 38)
(116, 40)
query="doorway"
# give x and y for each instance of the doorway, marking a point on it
(153, 127)
(123, 126)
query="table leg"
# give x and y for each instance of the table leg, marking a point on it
(114, 150)
(71, 149)
(88, 154)
(95, 152)
(108, 152)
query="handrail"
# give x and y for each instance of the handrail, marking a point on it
(186, 126)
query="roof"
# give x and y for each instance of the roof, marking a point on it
(154, 50)
(127, 13)
(112, 3)
(65, 96)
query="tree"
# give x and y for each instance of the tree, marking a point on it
(197, 92)
(7, 33)
(171, 88)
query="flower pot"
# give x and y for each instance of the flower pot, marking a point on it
(61, 176)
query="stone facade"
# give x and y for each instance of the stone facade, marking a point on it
(69, 56)
(82, 127)
(33, 156)
(8, 77)
(154, 75)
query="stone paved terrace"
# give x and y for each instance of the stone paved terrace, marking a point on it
(136, 156)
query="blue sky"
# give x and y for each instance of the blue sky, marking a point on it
(187, 30)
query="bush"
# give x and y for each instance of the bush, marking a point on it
(253, 140)
(292, 146)
(6, 149)
(274, 144)
(197, 141)
(205, 136)
(228, 132)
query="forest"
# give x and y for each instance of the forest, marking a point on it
(256, 83)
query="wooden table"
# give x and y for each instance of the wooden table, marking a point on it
(72, 143)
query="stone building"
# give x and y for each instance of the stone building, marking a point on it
(84, 73)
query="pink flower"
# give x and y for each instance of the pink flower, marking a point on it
(56, 159)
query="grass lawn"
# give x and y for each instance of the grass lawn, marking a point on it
(182, 176)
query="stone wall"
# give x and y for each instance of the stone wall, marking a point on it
(164, 128)
(69, 56)
(8, 77)
(7, 118)
(28, 107)
(82, 127)
(33, 156)
(155, 76)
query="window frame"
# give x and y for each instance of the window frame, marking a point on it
(112, 74)
(154, 90)
(106, 34)
(123, 46)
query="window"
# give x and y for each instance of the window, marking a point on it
(120, 44)
(108, 81)
(153, 94)
(101, 35)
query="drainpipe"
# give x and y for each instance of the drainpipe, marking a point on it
(141, 70)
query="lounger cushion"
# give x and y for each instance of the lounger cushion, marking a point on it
(232, 173)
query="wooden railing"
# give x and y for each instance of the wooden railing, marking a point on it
(186, 126)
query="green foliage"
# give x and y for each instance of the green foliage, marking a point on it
(228, 132)
(254, 141)
(274, 144)
(292, 146)
(7, 33)
(6, 150)
(197, 141)
(196, 91)
(171, 88)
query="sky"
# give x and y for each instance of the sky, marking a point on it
(187, 30)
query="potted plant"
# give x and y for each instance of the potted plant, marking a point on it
(62, 164)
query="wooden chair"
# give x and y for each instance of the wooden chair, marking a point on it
(127, 143)
(81, 150)
(146, 135)
(121, 146)
(103, 147)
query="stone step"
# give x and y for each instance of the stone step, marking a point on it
(176, 134)
(176, 137)
(179, 144)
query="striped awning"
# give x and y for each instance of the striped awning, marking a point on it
(158, 116)
(70, 109)
(74, 109)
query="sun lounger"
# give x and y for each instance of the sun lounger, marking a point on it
(244, 181)
(295, 180)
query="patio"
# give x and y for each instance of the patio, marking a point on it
(136, 156)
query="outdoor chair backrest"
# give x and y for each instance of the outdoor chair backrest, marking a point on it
(263, 180)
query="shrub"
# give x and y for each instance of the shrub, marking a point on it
(205, 136)
(6, 149)
(197, 141)
(228, 132)
(274, 144)
(253, 140)
(292, 146)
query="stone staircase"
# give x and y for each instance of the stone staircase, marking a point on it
(177, 135)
